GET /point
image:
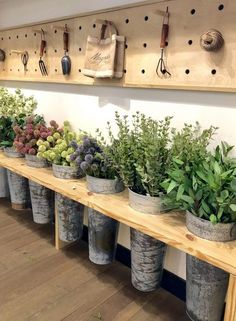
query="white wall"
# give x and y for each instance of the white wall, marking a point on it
(91, 107)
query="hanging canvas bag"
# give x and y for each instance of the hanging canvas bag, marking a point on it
(105, 54)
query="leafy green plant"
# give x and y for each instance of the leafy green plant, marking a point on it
(14, 108)
(17, 104)
(140, 152)
(207, 188)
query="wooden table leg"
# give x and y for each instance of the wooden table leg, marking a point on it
(230, 312)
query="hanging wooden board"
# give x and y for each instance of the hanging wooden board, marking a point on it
(192, 68)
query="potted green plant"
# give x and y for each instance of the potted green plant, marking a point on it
(27, 142)
(206, 189)
(140, 154)
(101, 178)
(70, 213)
(13, 110)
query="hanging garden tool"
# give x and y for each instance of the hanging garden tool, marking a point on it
(24, 57)
(65, 61)
(161, 69)
(43, 45)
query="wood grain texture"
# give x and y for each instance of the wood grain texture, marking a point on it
(39, 283)
(169, 228)
(141, 24)
(230, 312)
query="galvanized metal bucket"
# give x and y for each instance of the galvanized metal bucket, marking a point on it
(147, 259)
(70, 213)
(11, 152)
(103, 230)
(42, 200)
(70, 218)
(206, 288)
(19, 191)
(219, 232)
(206, 285)
(4, 189)
(34, 161)
(144, 203)
(104, 186)
(66, 172)
(147, 253)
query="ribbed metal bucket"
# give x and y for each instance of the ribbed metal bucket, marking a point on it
(11, 152)
(19, 191)
(66, 172)
(219, 232)
(147, 259)
(42, 200)
(4, 189)
(103, 230)
(70, 218)
(145, 204)
(206, 288)
(34, 161)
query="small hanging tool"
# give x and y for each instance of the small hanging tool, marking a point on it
(25, 59)
(65, 60)
(43, 45)
(161, 69)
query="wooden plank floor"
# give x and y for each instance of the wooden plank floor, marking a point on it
(37, 282)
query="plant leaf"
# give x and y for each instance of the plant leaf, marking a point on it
(180, 192)
(172, 185)
(233, 207)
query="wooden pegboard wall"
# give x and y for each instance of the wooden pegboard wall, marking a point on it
(191, 67)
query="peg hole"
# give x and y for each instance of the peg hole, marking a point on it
(9, 38)
(55, 31)
(35, 52)
(125, 71)
(143, 71)
(145, 45)
(126, 46)
(213, 71)
(55, 70)
(26, 35)
(166, 43)
(2, 38)
(80, 27)
(193, 11)
(221, 7)
(187, 71)
(18, 70)
(190, 42)
(55, 50)
(94, 25)
(10, 69)
(80, 49)
(79, 70)
(35, 34)
(146, 18)
(126, 20)
(35, 70)
(17, 37)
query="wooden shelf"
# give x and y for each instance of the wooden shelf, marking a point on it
(169, 228)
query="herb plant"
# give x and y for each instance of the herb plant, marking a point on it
(207, 188)
(140, 152)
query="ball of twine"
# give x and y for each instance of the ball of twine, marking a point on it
(212, 40)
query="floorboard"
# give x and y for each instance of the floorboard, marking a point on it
(39, 283)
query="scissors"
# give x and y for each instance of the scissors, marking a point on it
(25, 59)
